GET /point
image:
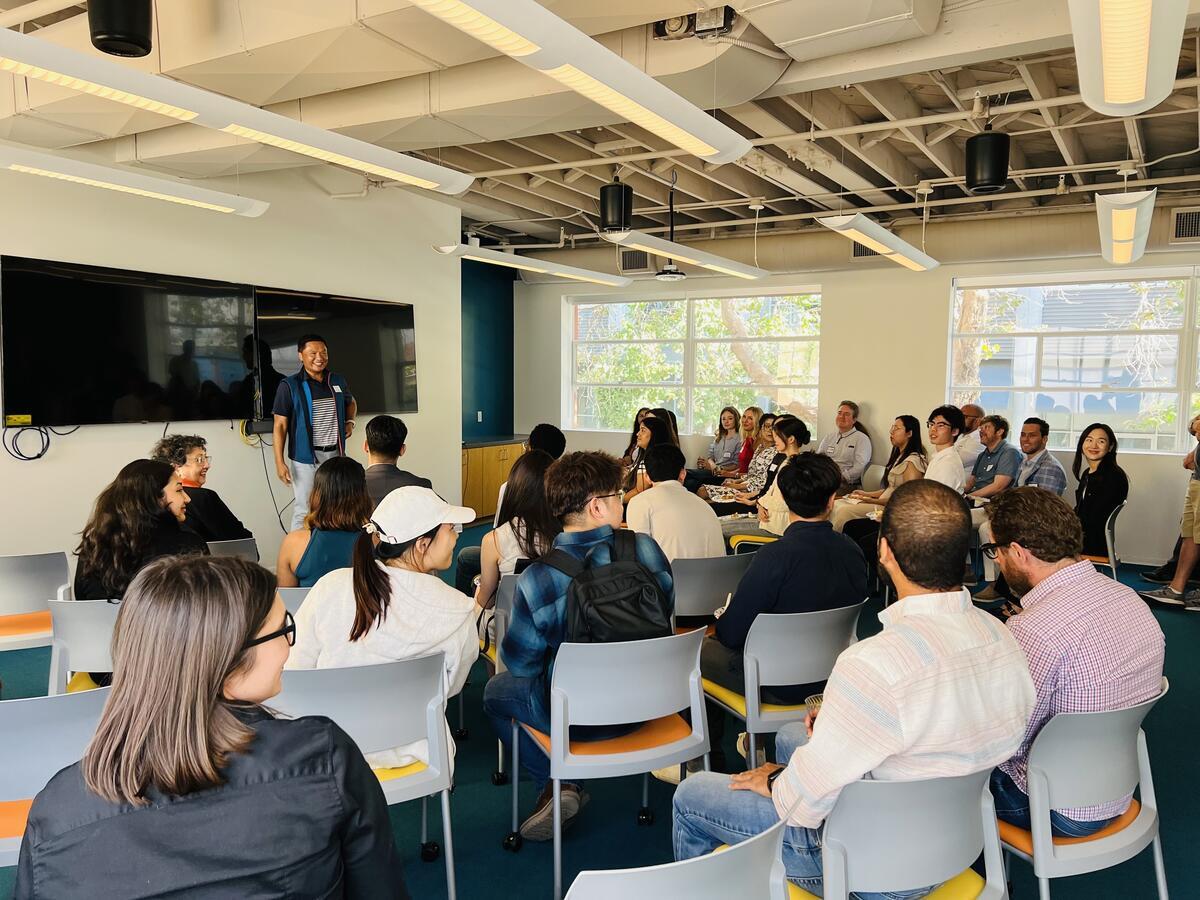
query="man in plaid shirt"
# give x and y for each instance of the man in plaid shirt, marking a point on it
(584, 492)
(1091, 642)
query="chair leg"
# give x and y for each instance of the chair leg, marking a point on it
(448, 840)
(1160, 872)
(430, 850)
(461, 733)
(645, 815)
(1044, 888)
(707, 763)
(557, 840)
(752, 756)
(499, 777)
(512, 840)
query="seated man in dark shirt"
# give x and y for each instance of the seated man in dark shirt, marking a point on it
(385, 445)
(811, 567)
(207, 514)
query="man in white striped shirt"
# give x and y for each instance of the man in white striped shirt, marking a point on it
(943, 690)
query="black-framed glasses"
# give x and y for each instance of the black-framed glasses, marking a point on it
(287, 631)
(937, 424)
(992, 550)
(620, 494)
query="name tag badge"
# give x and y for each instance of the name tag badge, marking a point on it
(991, 466)
(338, 388)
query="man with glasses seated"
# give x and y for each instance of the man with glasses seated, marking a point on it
(207, 514)
(945, 464)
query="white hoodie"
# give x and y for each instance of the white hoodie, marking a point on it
(424, 615)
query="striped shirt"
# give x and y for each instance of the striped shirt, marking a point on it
(324, 422)
(1092, 645)
(943, 690)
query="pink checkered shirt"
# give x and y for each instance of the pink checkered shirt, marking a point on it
(1092, 645)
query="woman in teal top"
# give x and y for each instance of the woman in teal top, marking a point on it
(339, 507)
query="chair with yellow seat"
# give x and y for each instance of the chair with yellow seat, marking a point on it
(702, 585)
(749, 543)
(27, 582)
(83, 631)
(41, 736)
(648, 681)
(1110, 539)
(384, 706)
(785, 649)
(1083, 759)
(293, 598)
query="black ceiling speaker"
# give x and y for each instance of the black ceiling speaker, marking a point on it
(121, 27)
(616, 207)
(987, 162)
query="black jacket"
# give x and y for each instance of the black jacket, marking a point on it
(168, 539)
(210, 518)
(301, 816)
(382, 479)
(1097, 495)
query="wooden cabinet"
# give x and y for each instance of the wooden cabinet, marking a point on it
(484, 470)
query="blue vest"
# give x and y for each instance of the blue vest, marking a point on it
(300, 426)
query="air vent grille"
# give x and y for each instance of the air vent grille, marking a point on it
(633, 262)
(1185, 225)
(861, 250)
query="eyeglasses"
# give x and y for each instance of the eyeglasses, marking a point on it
(992, 550)
(937, 424)
(287, 631)
(620, 494)
(202, 460)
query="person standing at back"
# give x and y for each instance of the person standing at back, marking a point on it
(385, 444)
(314, 415)
(682, 524)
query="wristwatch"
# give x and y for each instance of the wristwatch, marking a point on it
(771, 778)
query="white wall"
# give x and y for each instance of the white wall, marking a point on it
(884, 343)
(377, 247)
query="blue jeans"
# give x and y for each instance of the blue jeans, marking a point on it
(707, 814)
(1012, 806)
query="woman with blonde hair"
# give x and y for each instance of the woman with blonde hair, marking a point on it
(190, 785)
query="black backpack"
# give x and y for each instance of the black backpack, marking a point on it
(620, 601)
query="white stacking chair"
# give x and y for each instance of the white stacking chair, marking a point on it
(83, 632)
(872, 479)
(292, 597)
(646, 681)
(785, 649)
(381, 707)
(28, 582)
(1110, 538)
(751, 870)
(502, 609)
(1082, 759)
(41, 735)
(703, 585)
(242, 548)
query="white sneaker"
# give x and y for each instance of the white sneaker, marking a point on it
(743, 746)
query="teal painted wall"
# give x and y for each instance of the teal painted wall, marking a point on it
(487, 349)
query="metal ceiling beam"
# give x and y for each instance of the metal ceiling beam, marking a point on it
(1137, 144)
(1041, 88)
(898, 105)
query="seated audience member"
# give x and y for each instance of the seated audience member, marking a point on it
(654, 431)
(848, 445)
(391, 604)
(384, 445)
(207, 514)
(721, 460)
(996, 468)
(584, 491)
(809, 568)
(338, 508)
(945, 424)
(682, 524)
(629, 457)
(668, 416)
(1103, 485)
(527, 527)
(723, 496)
(1038, 469)
(791, 435)
(1091, 643)
(750, 423)
(136, 519)
(906, 463)
(942, 691)
(969, 443)
(191, 786)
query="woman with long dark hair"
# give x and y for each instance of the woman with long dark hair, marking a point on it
(654, 431)
(338, 507)
(136, 519)
(190, 786)
(525, 526)
(668, 416)
(391, 604)
(906, 463)
(1103, 485)
(627, 458)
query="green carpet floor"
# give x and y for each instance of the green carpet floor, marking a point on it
(607, 836)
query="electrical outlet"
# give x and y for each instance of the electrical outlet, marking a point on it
(479, 415)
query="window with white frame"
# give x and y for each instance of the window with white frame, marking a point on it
(1079, 350)
(693, 355)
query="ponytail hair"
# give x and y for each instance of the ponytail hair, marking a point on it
(372, 587)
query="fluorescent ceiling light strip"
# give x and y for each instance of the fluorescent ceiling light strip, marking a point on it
(539, 266)
(32, 57)
(1124, 223)
(1125, 48)
(528, 32)
(48, 165)
(637, 240)
(871, 234)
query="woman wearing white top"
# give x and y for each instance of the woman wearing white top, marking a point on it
(392, 605)
(945, 465)
(907, 463)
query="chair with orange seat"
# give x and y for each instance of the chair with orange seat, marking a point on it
(1083, 759)
(785, 649)
(41, 736)
(83, 631)
(648, 681)
(27, 582)
(1110, 538)
(384, 706)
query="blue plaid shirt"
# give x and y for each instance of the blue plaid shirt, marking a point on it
(539, 616)
(1047, 473)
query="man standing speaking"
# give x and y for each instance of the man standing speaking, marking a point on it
(314, 415)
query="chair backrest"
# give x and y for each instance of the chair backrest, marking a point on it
(701, 585)
(750, 870)
(901, 835)
(506, 590)
(1089, 758)
(872, 479)
(1110, 530)
(29, 580)
(292, 597)
(379, 706)
(242, 548)
(43, 735)
(627, 681)
(83, 632)
(799, 648)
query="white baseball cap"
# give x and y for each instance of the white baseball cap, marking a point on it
(409, 512)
